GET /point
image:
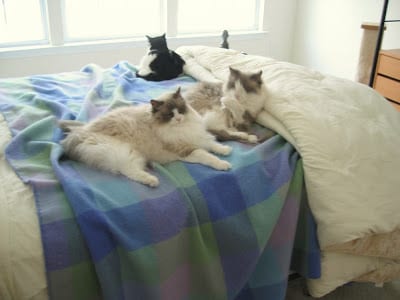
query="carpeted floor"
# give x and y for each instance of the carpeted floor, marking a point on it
(351, 291)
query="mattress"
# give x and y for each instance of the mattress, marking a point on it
(347, 136)
(72, 232)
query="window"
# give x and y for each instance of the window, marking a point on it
(99, 19)
(22, 22)
(216, 15)
(59, 22)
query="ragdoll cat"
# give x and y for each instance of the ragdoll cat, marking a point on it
(125, 139)
(160, 63)
(230, 108)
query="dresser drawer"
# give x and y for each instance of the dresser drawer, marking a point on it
(387, 87)
(389, 66)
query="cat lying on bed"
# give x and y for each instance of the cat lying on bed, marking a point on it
(160, 63)
(125, 139)
(230, 108)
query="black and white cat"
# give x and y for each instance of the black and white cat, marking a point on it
(160, 63)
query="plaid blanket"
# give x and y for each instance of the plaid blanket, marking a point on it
(202, 234)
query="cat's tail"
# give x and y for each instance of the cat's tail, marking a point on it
(69, 125)
(150, 77)
(75, 136)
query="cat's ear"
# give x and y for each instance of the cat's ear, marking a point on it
(163, 36)
(234, 72)
(156, 104)
(177, 94)
(257, 75)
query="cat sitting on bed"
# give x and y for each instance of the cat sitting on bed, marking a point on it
(125, 139)
(160, 63)
(230, 108)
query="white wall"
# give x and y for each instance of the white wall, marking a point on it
(328, 33)
(279, 22)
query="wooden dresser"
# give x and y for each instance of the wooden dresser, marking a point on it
(387, 77)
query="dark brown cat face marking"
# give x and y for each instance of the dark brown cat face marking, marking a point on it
(169, 107)
(251, 82)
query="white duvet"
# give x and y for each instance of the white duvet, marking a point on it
(347, 134)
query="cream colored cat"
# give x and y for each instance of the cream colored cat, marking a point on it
(125, 139)
(230, 108)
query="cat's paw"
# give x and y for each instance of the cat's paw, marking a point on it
(152, 181)
(224, 150)
(147, 179)
(252, 138)
(223, 165)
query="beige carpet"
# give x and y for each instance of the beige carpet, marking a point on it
(351, 291)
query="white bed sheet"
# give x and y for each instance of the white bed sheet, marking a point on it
(22, 271)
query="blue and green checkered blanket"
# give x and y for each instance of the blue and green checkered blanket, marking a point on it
(202, 234)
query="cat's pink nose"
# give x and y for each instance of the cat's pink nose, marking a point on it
(179, 118)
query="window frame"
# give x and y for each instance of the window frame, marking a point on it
(33, 42)
(56, 42)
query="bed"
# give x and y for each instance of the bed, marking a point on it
(326, 181)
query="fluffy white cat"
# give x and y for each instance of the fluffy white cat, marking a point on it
(125, 139)
(230, 108)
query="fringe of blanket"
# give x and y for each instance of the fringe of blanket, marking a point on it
(384, 247)
(389, 272)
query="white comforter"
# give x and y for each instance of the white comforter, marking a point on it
(347, 134)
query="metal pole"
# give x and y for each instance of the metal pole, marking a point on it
(378, 43)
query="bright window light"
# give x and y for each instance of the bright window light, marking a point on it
(21, 22)
(58, 22)
(195, 16)
(104, 19)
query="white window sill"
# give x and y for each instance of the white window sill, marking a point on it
(84, 47)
